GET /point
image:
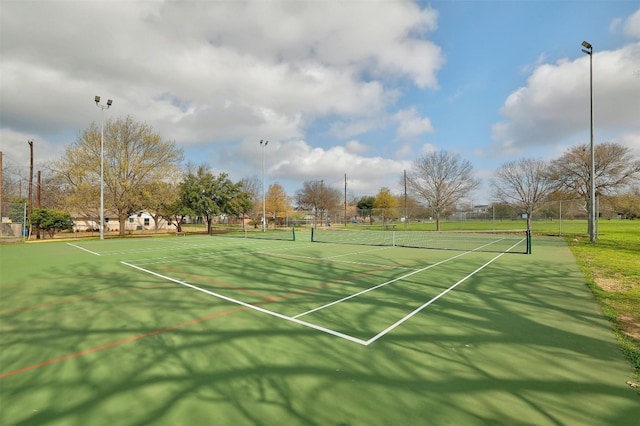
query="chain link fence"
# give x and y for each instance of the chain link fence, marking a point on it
(14, 218)
(559, 217)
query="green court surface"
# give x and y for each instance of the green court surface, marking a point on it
(212, 330)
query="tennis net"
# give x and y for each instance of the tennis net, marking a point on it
(511, 241)
(287, 234)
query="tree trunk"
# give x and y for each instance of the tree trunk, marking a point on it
(178, 224)
(123, 222)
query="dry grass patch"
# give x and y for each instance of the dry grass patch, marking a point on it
(611, 285)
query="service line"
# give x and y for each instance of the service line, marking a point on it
(250, 306)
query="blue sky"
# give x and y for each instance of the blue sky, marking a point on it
(360, 88)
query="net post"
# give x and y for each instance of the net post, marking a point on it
(293, 232)
(312, 229)
(528, 241)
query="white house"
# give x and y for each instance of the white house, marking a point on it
(141, 221)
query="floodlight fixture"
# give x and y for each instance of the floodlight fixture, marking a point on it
(587, 45)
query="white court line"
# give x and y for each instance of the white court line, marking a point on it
(212, 255)
(295, 319)
(380, 285)
(82, 248)
(247, 305)
(402, 320)
(392, 281)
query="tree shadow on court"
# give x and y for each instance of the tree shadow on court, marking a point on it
(516, 344)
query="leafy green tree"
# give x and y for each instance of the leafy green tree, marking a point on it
(365, 206)
(51, 221)
(210, 196)
(242, 204)
(158, 197)
(176, 212)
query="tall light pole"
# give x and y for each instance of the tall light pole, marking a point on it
(102, 107)
(263, 144)
(588, 49)
(321, 201)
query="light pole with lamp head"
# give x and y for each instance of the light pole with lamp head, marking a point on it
(263, 144)
(588, 49)
(102, 107)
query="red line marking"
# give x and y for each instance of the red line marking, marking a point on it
(269, 299)
(45, 280)
(119, 342)
(78, 299)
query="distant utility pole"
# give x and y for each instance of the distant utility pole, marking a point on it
(38, 194)
(406, 220)
(30, 176)
(38, 204)
(0, 182)
(345, 199)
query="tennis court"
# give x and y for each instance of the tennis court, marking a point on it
(347, 331)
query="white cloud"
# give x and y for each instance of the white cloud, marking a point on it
(615, 25)
(355, 147)
(411, 125)
(347, 129)
(208, 71)
(16, 152)
(222, 74)
(632, 25)
(554, 105)
(428, 149)
(404, 151)
(293, 162)
(631, 141)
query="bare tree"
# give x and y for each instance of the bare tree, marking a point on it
(317, 196)
(628, 204)
(523, 183)
(439, 180)
(615, 169)
(253, 187)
